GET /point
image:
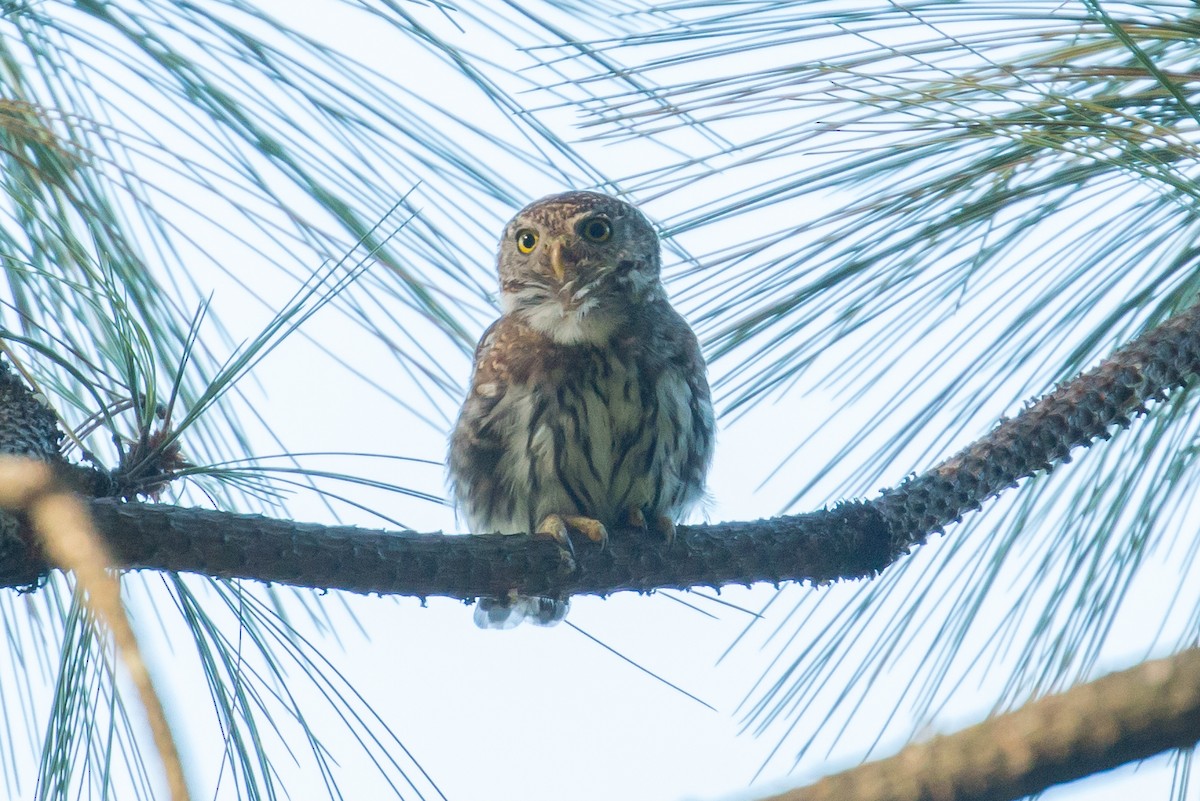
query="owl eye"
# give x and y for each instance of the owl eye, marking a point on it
(597, 229)
(526, 240)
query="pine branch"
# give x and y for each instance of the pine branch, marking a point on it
(820, 547)
(1094, 727)
(852, 540)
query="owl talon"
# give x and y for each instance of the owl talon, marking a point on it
(558, 526)
(665, 528)
(662, 525)
(589, 527)
(554, 527)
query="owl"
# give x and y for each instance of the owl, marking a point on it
(588, 407)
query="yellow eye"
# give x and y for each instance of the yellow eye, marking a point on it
(597, 229)
(526, 240)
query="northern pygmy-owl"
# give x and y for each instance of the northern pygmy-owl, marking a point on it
(588, 405)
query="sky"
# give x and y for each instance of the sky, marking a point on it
(636, 697)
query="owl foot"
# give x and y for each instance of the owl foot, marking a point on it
(558, 528)
(662, 525)
(635, 518)
(553, 528)
(665, 528)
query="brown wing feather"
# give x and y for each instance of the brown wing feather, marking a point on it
(477, 445)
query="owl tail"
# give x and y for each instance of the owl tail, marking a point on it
(505, 613)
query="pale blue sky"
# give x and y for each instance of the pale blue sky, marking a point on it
(547, 714)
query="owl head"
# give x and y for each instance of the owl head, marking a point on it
(576, 265)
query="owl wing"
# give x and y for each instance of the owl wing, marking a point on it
(477, 444)
(703, 420)
(674, 350)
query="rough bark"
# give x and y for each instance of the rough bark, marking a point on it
(850, 540)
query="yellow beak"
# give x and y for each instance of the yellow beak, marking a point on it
(556, 260)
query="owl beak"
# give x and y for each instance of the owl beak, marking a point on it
(556, 260)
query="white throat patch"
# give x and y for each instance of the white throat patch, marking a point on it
(576, 326)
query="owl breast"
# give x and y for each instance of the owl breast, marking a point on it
(593, 431)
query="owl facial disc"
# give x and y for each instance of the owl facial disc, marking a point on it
(574, 266)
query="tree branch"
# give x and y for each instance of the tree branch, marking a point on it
(851, 540)
(1094, 727)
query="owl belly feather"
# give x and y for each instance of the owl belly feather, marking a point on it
(596, 437)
